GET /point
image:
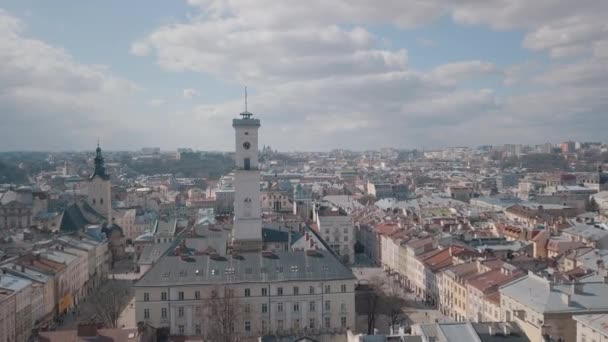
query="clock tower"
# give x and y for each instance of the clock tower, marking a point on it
(247, 231)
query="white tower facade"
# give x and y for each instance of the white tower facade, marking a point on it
(247, 231)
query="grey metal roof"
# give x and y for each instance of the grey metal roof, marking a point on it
(515, 332)
(543, 296)
(165, 228)
(449, 332)
(458, 332)
(587, 232)
(248, 267)
(152, 252)
(598, 322)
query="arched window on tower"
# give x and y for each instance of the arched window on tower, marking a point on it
(247, 164)
(247, 207)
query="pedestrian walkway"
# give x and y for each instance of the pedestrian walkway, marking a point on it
(415, 310)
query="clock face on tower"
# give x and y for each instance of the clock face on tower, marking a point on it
(246, 145)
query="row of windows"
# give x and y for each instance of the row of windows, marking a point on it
(247, 309)
(246, 292)
(345, 230)
(280, 325)
(336, 238)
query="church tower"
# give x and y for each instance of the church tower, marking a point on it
(99, 195)
(247, 231)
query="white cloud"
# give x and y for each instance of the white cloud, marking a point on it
(189, 93)
(323, 79)
(562, 28)
(48, 99)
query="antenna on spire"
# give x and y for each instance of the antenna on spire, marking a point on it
(246, 114)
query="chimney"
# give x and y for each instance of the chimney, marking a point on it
(565, 298)
(577, 288)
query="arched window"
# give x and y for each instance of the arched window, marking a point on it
(247, 207)
(93, 201)
(101, 201)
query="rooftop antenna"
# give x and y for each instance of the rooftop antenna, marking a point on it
(246, 114)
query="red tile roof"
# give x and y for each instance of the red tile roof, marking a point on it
(489, 281)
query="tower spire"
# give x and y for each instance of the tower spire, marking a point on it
(246, 114)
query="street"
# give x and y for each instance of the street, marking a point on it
(85, 311)
(415, 311)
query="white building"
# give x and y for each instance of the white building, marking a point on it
(247, 232)
(336, 226)
(277, 292)
(591, 328)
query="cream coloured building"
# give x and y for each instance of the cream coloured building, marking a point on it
(43, 291)
(280, 293)
(22, 290)
(7, 314)
(591, 328)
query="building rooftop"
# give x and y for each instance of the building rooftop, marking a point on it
(587, 232)
(152, 252)
(492, 279)
(13, 283)
(165, 228)
(597, 322)
(449, 332)
(544, 296)
(500, 332)
(244, 268)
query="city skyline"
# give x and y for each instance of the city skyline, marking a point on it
(405, 75)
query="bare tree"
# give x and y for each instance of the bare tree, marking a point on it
(392, 303)
(372, 298)
(224, 310)
(107, 302)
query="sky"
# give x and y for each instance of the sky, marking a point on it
(355, 74)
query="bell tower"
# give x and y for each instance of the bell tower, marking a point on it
(247, 230)
(99, 188)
